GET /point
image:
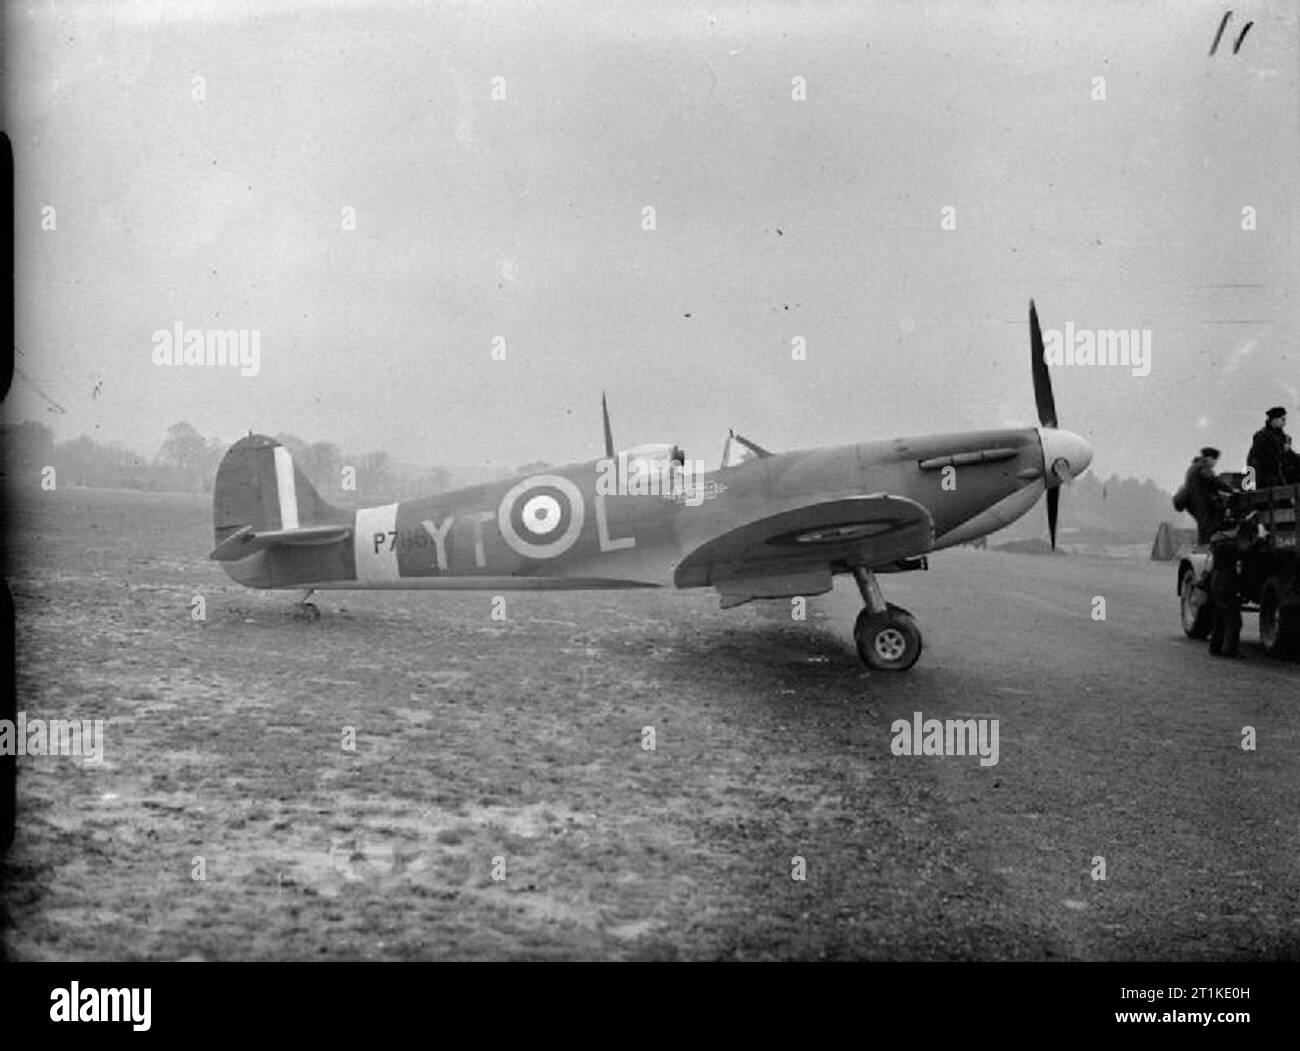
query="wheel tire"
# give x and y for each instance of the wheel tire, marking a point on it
(1198, 620)
(888, 641)
(1279, 625)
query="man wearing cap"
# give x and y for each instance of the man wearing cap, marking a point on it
(1271, 456)
(1205, 491)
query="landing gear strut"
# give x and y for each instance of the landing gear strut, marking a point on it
(886, 635)
(305, 610)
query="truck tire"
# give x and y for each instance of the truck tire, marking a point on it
(1197, 609)
(1279, 623)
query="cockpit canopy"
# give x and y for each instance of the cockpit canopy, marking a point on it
(656, 466)
(738, 449)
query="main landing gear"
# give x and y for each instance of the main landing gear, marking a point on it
(886, 635)
(305, 610)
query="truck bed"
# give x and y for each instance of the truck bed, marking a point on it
(1276, 507)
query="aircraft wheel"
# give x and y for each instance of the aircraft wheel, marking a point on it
(888, 641)
(1195, 605)
(1279, 624)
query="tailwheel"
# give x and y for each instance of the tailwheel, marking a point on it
(888, 641)
(305, 610)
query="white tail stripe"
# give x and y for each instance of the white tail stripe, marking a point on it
(285, 488)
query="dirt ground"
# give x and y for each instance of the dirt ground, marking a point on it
(522, 740)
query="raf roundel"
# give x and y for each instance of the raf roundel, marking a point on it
(542, 516)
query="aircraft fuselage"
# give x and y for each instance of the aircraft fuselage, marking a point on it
(555, 530)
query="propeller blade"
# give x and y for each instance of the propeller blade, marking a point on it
(609, 435)
(1053, 503)
(1042, 380)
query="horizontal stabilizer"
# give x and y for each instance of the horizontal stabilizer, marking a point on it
(247, 541)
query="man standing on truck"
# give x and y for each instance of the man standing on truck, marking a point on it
(1271, 455)
(1205, 493)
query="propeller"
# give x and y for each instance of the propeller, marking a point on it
(609, 435)
(1046, 403)
(1042, 379)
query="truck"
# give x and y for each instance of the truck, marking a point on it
(1269, 577)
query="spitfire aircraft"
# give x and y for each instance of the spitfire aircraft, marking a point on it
(763, 526)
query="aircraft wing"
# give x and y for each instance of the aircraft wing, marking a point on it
(797, 548)
(246, 541)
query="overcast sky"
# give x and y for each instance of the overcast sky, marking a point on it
(775, 218)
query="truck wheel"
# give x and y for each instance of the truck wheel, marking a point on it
(1197, 610)
(1279, 624)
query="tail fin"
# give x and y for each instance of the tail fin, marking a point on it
(258, 487)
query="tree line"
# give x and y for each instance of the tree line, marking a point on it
(187, 461)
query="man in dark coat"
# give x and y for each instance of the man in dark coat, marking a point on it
(1205, 494)
(1270, 452)
(1227, 549)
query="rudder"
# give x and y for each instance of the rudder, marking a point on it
(259, 485)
